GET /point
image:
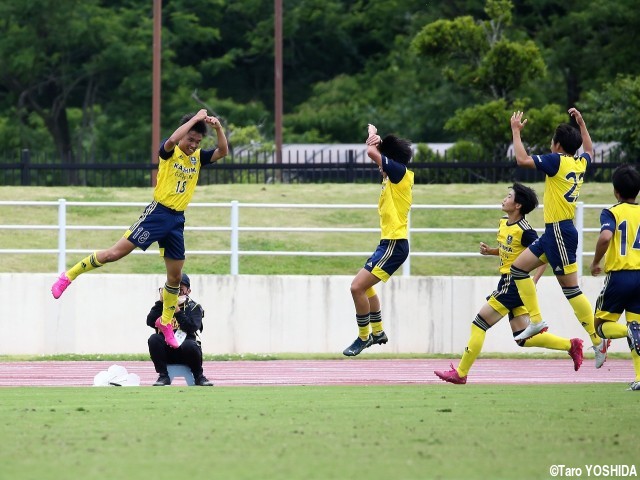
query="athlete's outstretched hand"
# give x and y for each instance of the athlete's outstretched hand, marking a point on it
(516, 121)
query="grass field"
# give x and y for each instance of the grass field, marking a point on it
(373, 432)
(484, 194)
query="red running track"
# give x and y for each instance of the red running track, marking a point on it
(327, 372)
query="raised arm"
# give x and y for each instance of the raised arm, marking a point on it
(182, 130)
(223, 147)
(373, 140)
(587, 144)
(523, 159)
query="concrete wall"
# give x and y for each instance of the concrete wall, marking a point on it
(106, 313)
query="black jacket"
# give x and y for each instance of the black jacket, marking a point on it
(188, 319)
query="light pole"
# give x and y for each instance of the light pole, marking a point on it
(156, 83)
(278, 81)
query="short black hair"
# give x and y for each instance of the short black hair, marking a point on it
(626, 181)
(397, 149)
(525, 196)
(198, 127)
(568, 137)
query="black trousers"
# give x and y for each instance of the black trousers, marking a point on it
(188, 353)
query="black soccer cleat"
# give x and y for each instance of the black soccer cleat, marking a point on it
(358, 346)
(380, 339)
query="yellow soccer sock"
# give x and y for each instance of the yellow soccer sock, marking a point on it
(548, 340)
(375, 319)
(474, 346)
(529, 296)
(169, 302)
(83, 266)
(583, 311)
(613, 330)
(363, 326)
(636, 364)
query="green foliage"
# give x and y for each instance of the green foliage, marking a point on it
(486, 61)
(485, 124)
(424, 153)
(508, 65)
(464, 151)
(332, 109)
(541, 124)
(457, 45)
(618, 113)
(76, 75)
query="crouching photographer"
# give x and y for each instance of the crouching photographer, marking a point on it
(186, 323)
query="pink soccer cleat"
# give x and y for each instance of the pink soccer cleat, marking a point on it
(575, 352)
(167, 331)
(451, 376)
(60, 285)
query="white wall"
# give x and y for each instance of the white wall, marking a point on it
(106, 313)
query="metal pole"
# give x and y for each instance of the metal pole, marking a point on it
(278, 82)
(235, 222)
(25, 161)
(580, 227)
(156, 83)
(62, 235)
(406, 266)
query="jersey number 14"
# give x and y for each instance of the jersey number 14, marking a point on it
(623, 238)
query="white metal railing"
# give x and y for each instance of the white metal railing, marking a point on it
(235, 229)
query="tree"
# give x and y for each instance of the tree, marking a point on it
(576, 36)
(49, 51)
(478, 55)
(616, 114)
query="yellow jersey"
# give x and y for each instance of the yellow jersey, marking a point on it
(513, 239)
(623, 220)
(395, 200)
(177, 179)
(564, 177)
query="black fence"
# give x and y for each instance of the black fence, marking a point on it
(39, 169)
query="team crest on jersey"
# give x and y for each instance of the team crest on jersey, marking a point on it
(509, 239)
(194, 160)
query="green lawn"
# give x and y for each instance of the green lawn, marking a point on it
(484, 194)
(372, 432)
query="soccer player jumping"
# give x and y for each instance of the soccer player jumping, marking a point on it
(564, 170)
(180, 160)
(391, 154)
(514, 235)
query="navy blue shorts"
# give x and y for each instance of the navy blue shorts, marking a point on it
(620, 293)
(159, 224)
(505, 298)
(558, 244)
(387, 258)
